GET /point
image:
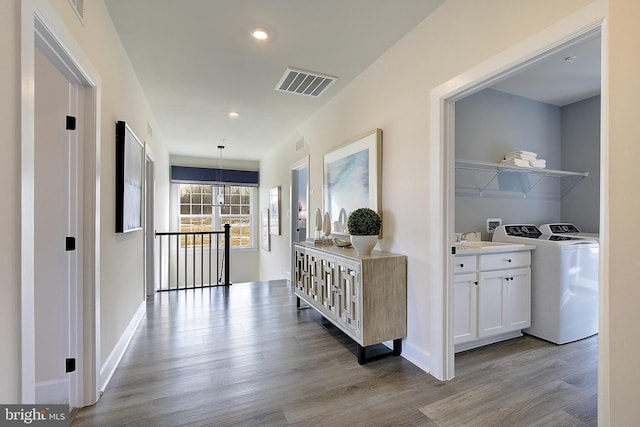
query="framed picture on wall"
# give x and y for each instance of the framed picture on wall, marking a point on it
(264, 230)
(274, 209)
(352, 178)
(129, 167)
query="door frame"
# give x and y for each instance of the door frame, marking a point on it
(149, 222)
(40, 23)
(575, 28)
(293, 206)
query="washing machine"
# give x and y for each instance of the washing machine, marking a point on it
(568, 229)
(564, 282)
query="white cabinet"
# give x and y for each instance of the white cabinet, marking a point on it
(494, 301)
(365, 296)
(465, 307)
(504, 301)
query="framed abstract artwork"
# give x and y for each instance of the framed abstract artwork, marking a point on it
(129, 166)
(352, 179)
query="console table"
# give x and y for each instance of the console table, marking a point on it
(363, 295)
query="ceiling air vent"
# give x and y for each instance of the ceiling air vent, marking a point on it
(304, 82)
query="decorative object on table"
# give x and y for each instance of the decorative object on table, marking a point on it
(341, 243)
(264, 230)
(274, 209)
(129, 168)
(364, 227)
(326, 229)
(340, 226)
(318, 224)
(352, 176)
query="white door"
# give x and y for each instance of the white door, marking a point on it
(55, 214)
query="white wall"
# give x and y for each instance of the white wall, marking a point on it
(490, 124)
(618, 358)
(10, 194)
(581, 152)
(393, 94)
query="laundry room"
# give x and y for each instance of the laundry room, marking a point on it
(550, 110)
(527, 158)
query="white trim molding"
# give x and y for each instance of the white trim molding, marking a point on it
(109, 367)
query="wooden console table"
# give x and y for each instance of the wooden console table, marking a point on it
(364, 296)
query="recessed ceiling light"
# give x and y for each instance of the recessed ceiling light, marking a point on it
(259, 34)
(234, 114)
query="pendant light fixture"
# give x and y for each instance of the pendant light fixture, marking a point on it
(220, 196)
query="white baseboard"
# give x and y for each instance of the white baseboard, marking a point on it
(416, 356)
(53, 391)
(109, 366)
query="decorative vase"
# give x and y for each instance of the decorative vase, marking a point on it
(364, 244)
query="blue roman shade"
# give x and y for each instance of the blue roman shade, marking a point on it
(215, 175)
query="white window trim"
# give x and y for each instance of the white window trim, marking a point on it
(174, 216)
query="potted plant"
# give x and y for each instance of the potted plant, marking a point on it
(364, 227)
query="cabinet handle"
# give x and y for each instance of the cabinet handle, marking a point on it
(475, 283)
(508, 259)
(461, 265)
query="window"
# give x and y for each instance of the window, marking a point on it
(196, 213)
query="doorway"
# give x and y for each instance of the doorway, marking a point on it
(149, 224)
(57, 149)
(443, 99)
(40, 30)
(299, 204)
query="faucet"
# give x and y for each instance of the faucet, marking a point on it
(463, 236)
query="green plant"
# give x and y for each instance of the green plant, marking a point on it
(364, 222)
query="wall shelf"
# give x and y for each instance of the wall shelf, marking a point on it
(495, 169)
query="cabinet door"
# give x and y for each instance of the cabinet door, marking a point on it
(348, 292)
(465, 308)
(491, 300)
(315, 275)
(302, 272)
(327, 294)
(518, 298)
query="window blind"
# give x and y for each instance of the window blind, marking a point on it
(215, 175)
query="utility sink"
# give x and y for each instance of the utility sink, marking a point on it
(481, 245)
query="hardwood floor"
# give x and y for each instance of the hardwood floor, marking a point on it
(245, 356)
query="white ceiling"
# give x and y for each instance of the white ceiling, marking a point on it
(196, 62)
(556, 81)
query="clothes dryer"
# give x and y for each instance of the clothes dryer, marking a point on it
(564, 283)
(568, 229)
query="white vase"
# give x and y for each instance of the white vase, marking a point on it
(364, 244)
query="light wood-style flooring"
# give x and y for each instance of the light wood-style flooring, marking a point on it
(244, 356)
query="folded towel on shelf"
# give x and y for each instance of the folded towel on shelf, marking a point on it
(516, 162)
(538, 163)
(522, 155)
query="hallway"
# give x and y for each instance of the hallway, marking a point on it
(245, 356)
